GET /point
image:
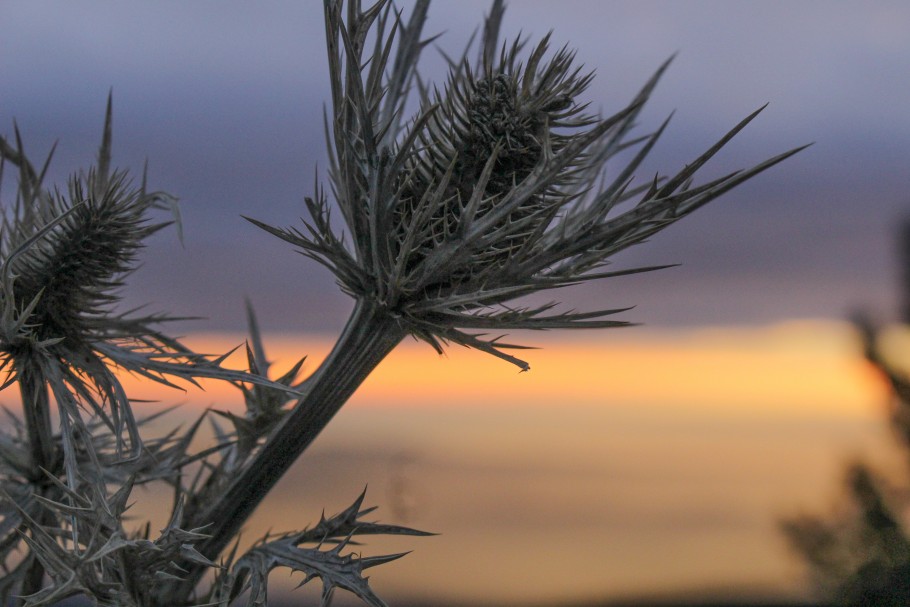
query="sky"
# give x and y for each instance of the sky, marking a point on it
(742, 353)
(224, 100)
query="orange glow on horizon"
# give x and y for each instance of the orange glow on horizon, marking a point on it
(797, 366)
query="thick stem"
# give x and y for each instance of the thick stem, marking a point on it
(368, 337)
(36, 410)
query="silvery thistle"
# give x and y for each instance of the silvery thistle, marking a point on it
(492, 191)
(63, 491)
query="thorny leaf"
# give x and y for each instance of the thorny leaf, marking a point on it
(333, 568)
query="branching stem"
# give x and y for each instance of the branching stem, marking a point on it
(371, 333)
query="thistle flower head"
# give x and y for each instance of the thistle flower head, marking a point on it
(486, 133)
(495, 189)
(64, 255)
(73, 271)
(63, 259)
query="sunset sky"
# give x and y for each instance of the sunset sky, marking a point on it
(670, 451)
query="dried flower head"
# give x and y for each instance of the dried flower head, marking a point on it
(504, 116)
(63, 258)
(492, 191)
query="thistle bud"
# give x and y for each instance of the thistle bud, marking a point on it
(487, 135)
(74, 270)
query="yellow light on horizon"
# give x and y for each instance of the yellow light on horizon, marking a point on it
(798, 366)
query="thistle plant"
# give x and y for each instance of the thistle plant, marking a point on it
(63, 258)
(491, 191)
(492, 188)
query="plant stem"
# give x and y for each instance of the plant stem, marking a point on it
(36, 410)
(369, 335)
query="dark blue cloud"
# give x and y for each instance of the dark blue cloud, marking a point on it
(224, 100)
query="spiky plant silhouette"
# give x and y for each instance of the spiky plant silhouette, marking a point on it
(63, 258)
(491, 191)
(861, 555)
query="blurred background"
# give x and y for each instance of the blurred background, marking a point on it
(654, 462)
